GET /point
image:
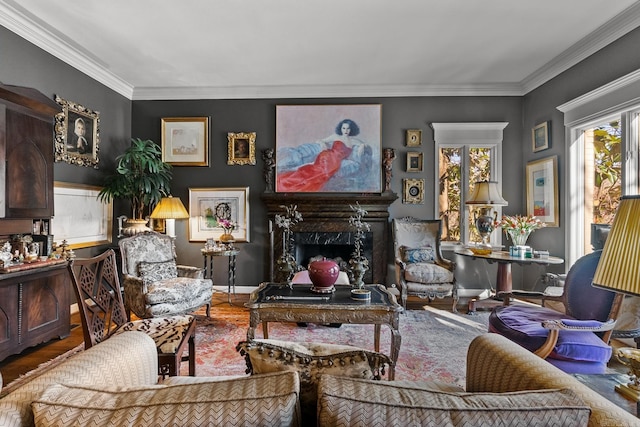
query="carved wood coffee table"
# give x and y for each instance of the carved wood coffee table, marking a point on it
(275, 302)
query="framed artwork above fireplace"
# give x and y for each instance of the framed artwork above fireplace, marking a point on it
(328, 148)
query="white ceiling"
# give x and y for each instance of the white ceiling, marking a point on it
(167, 49)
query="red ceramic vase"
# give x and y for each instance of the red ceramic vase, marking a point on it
(323, 274)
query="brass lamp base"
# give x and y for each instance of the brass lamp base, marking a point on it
(628, 392)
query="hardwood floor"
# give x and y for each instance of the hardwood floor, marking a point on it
(14, 366)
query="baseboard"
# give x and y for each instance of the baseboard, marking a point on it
(239, 289)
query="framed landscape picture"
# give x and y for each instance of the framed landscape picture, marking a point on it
(328, 148)
(542, 190)
(207, 205)
(185, 141)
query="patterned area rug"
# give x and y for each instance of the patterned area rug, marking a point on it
(434, 342)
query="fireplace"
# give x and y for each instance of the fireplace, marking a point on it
(325, 229)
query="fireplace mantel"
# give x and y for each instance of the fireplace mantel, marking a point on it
(329, 213)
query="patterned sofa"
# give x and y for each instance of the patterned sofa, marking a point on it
(114, 387)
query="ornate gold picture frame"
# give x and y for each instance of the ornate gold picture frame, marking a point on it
(241, 148)
(414, 138)
(77, 134)
(414, 161)
(413, 191)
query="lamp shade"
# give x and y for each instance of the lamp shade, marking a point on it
(170, 208)
(619, 266)
(486, 193)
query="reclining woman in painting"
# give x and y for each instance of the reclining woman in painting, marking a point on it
(309, 167)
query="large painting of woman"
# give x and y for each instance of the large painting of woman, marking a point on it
(347, 160)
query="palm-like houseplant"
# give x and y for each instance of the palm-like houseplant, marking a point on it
(141, 176)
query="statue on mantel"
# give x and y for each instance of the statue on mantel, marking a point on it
(269, 168)
(389, 155)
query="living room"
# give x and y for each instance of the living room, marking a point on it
(125, 116)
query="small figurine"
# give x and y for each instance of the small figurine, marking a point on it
(269, 168)
(387, 161)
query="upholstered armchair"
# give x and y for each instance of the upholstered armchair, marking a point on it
(154, 285)
(576, 341)
(421, 270)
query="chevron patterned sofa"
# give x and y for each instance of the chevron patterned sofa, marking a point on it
(115, 383)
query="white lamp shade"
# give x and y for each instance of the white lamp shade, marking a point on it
(486, 193)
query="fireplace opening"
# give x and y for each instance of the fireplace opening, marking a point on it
(331, 245)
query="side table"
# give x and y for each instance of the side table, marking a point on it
(208, 267)
(604, 384)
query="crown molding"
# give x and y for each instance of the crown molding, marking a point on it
(17, 20)
(621, 24)
(19, 23)
(329, 91)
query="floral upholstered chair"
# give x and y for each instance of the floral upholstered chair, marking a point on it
(421, 269)
(154, 285)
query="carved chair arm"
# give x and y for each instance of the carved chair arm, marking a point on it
(134, 282)
(446, 263)
(190, 271)
(555, 326)
(400, 263)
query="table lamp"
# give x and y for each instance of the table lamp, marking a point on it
(170, 208)
(619, 271)
(485, 196)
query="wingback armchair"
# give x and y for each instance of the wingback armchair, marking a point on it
(421, 270)
(154, 285)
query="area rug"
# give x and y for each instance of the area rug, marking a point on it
(434, 342)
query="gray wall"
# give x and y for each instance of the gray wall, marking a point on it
(608, 64)
(398, 114)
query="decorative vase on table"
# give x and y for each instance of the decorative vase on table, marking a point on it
(227, 237)
(323, 274)
(519, 238)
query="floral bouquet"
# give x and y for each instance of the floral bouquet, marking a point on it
(226, 225)
(519, 227)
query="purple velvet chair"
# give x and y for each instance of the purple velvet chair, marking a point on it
(575, 342)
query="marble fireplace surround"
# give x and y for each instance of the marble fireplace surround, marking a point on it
(325, 228)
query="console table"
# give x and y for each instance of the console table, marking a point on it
(275, 302)
(209, 255)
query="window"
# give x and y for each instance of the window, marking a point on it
(466, 153)
(602, 160)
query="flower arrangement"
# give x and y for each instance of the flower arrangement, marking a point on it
(361, 227)
(226, 224)
(519, 227)
(287, 263)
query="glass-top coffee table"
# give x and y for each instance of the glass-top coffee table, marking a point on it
(276, 302)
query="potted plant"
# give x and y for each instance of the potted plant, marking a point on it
(142, 177)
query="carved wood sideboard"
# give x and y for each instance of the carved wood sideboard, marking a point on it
(34, 307)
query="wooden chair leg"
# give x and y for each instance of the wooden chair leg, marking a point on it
(192, 354)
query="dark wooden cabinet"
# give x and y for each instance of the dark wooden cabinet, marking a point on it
(34, 307)
(26, 153)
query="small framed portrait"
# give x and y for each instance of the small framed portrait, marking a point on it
(241, 148)
(77, 137)
(413, 191)
(540, 136)
(414, 137)
(185, 141)
(414, 161)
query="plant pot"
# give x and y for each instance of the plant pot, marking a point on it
(135, 226)
(227, 238)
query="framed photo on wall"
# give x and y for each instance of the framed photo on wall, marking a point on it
(185, 141)
(81, 219)
(77, 134)
(542, 190)
(413, 138)
(241, 148)
(207, 205)
(413, 191)
(328, 148)
(414, 161)
(540, 136)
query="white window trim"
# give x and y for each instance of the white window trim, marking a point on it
(456, 135)
(621, 97)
